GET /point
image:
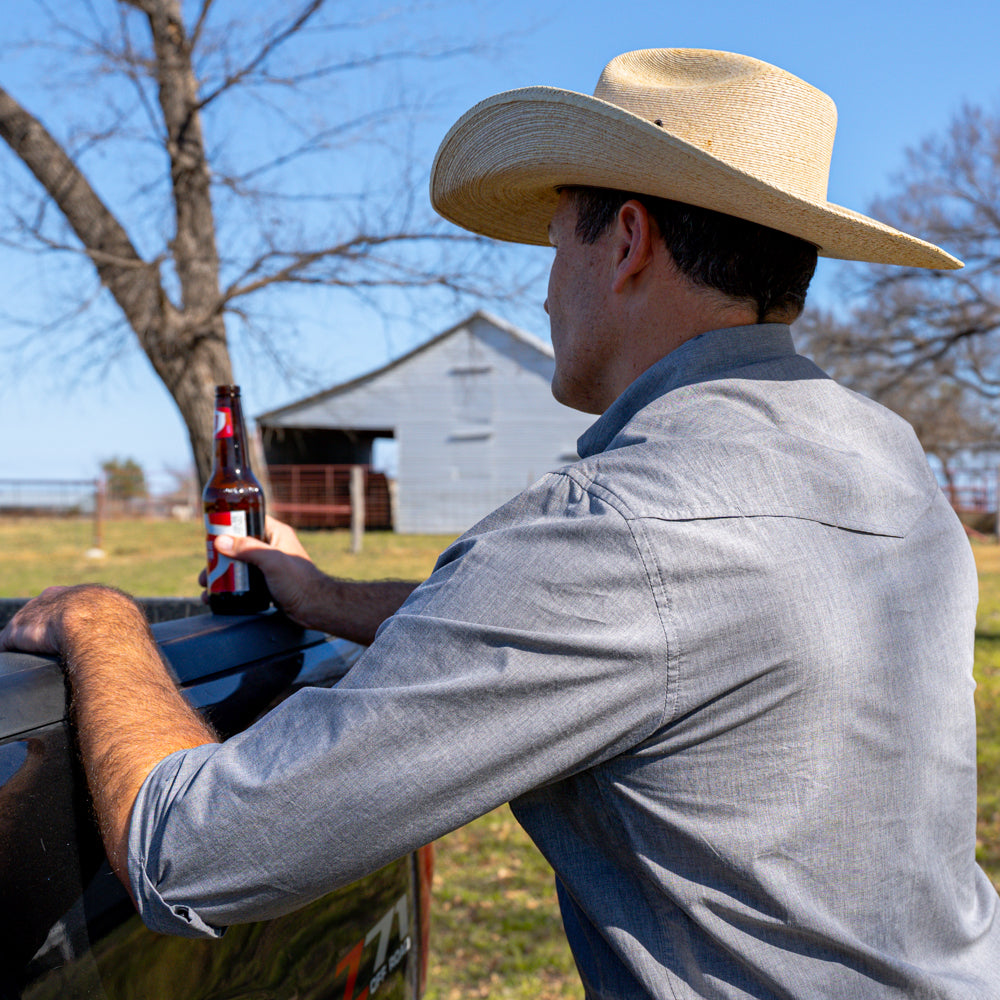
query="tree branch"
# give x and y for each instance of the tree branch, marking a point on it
(132, 281)
(270, 45)
(349, 251)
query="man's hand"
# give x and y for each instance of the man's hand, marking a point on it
(349, 609)
(292, 577)
(38, 626)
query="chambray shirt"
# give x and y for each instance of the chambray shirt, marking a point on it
(720, 667)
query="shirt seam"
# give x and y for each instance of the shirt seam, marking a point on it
(657, 589)
(614, 500)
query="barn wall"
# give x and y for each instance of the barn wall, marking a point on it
(474, 419)
(488, 427)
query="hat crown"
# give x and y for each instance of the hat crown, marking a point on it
(713, 129)
(757, 118)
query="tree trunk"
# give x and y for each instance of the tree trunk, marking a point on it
(191, 378)
(186, 344)
(201, 332)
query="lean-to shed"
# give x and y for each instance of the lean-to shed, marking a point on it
(471, 412)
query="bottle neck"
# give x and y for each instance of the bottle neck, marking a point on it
(230, 435)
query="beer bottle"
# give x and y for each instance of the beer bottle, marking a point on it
(234, 505)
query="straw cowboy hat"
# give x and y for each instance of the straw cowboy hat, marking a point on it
(714, 129)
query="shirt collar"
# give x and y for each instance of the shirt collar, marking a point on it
(712, 355)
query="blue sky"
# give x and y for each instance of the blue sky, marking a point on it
(896, 70)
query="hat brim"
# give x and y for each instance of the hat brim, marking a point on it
(499, 168)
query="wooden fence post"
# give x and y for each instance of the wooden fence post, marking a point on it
(357, 506)
(96, 550)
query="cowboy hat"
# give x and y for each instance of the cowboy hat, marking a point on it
(713, 129)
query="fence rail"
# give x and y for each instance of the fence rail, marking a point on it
(971, 499)
(58, 497)
(319, 496)
(70, 498)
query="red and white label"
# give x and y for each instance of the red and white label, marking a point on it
(225, 575)
(223, 422)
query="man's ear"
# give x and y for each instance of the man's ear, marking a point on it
(633, 236)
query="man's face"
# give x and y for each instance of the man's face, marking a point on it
(577, 305)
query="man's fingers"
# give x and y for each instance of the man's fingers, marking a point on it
(28, 637)
(282, 537)
(34, 629)
(247, 549)
(281, 540)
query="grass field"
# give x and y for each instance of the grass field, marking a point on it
(496, 929)
(164, 558)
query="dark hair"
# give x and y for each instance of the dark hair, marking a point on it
(739, 258)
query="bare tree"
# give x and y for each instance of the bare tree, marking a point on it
(285, 222)
(945, 321)
(923, 342)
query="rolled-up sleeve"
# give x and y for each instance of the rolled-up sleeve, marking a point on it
(158, 790)
(534, 650)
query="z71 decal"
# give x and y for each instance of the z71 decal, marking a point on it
(384, 962)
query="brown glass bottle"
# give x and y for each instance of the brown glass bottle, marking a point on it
(234, 505)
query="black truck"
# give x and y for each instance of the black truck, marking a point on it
(68, 929)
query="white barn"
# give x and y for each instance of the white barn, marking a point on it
(472, 414)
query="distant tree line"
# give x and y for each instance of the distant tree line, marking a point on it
(124, 479)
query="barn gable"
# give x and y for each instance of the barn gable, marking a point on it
(472, 414)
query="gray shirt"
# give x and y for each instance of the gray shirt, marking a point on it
(720, 666)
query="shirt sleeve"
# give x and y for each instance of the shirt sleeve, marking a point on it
(535, 649)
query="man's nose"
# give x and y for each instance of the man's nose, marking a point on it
(545, 305)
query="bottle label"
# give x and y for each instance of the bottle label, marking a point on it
(225, 575)
(223, 422)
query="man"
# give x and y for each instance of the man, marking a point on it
(720, 666)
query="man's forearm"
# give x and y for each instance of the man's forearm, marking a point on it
(354, 609)
(128, 712)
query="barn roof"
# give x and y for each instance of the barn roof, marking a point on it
(467, 324)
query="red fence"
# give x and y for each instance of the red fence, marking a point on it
(970, 499)
(319, 496)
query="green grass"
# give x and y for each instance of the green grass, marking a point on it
(164, 558)
(496, 930)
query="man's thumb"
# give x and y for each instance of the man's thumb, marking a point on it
(239, 548)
